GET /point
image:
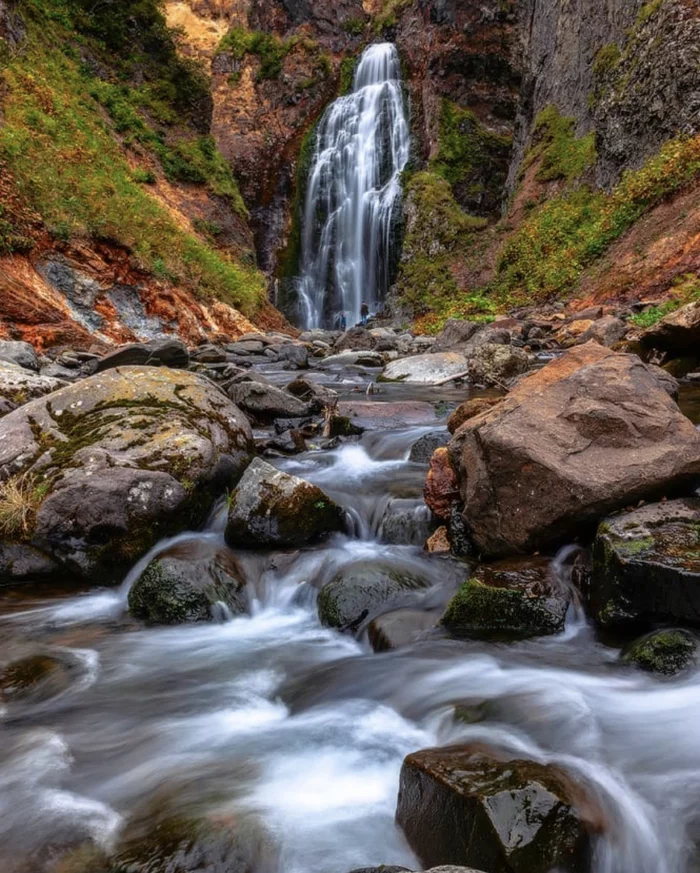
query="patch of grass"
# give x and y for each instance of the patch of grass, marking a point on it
(354, 26)
(561, 153)
(555, 243)
(652, 314)
(270, 49)
(20, 498)
(71, 170)
(648, 11)
(388, 15)
(12, 240)
(347, 74)
(607, 58)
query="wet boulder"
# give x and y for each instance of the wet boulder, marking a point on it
(19, 385)
(379, 415)
(470, 409)
(441, 491)
(514, 598)
(164, 352)
(496, 364)
(37, 677)
(406, 522)
(354, 359)
(400, 628)
(271, 509)
(193, 581)
(96, 473)
(314, 395)
(646, 566)
(426, 369)
(589, 433)
(468, 805)
(264, 402)
(362, 590)
(667, 652)
(422, 450)
(294, 356)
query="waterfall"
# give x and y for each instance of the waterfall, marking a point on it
(354, 193)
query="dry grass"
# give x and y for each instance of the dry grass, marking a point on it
(20, 498)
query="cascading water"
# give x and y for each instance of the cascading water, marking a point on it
(354, 194)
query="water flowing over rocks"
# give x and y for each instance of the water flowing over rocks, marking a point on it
(468, 805)
(589, 433)
(646, 568)
(110, 464)
(361, 591)
(270, 508)
(187, 583)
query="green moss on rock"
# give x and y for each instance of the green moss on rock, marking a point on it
(666, 651)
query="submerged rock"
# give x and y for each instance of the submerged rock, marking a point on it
(361, 591)
(589, 433)
(646, 566)
(515, 598)
(271, 509)
(467, 805)
(400, 628)
(425, 369)
(667, 652)
(35, 678)
(189, 583)
(103, 468)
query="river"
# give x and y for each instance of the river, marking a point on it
(301, 731)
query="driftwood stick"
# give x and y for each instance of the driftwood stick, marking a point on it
(452, 378)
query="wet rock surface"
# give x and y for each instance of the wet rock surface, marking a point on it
(264, 402)
(426, 369)
(667, 652)
(590, 432)
(111, 463)
(646, 565)
(401, 628)
(466, 805)
(270, 508)
(189, 582)
(511, 599)
(362, 590)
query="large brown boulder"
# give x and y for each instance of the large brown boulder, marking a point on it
(468, 805)
(591, 432)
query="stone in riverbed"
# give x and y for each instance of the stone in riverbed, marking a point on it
(271, 509)
(425, 369)
(379, 415)
(496, 364)
(315, 395)
(114, 462)
(400, 628)
(646, 567)
(591, 432)
(667, 652)
(512, 599)
(441, 491)
(361, 590)
(264, 402)
(186, 584)
(422, 450)
(469, 805)
(470, 409)
(18, 386)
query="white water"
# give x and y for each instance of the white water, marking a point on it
(300, 732)
(353, 194)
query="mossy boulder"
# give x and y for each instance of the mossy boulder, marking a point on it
(667, 652)
(646, 566)
(468, 805)
(361, 591)
(110, 464)
(271, 509)
(188, 583)
(496, 364)
(515, 598)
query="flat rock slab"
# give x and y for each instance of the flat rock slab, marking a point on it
(425, 369)
(381, 414)
(19, 385)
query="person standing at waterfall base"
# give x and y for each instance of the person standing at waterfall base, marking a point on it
(343, 322)
(364, 312)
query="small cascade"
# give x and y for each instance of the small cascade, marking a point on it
(353, 194)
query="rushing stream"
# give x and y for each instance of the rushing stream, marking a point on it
(299, 731)
(353, 193)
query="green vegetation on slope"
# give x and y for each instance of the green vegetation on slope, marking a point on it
(74, 165)
(561, 154)
(558, 240)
